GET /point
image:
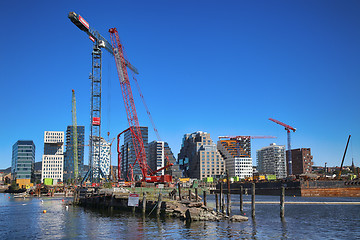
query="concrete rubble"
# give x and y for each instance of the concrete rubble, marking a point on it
(197, 211)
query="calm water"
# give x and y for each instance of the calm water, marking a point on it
(24, 219)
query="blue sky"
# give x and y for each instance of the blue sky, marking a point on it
(223, 67)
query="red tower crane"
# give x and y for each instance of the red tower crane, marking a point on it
(287, 128)
(133, 121)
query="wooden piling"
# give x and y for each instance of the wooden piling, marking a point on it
(159, 204)
(228, 204)
(241, 199)
(144, 203)
(223, 210)
(282, 202)
(179, 187)
(217, 202)
(220, 196)
(253, 200)
(196, 194)
(204, 193)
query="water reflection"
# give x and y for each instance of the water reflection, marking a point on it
(253, 228)
(283, 228)
(79, 223)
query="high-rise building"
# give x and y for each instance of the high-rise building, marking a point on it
(104, 164)
(22, 164)
(271, 160)
(199, 157)
(53, 158)
(128, 155)
(105, 157)
(69, 153)
(301, 160)
(237, 156)
(158, 150)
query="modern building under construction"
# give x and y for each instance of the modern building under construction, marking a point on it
(237, 156)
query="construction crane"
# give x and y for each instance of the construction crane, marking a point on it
(287, 128)
(342, 161)
(99, 42)
(132, 117)
(75, 137)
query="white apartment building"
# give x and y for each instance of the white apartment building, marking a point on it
(271, 160)
(53, 158)
(104, 164)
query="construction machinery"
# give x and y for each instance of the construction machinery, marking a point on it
(147, 174)
(342, 161)
(287, 128)
(75, 137)
(122, 63)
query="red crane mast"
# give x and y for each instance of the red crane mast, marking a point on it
(129, 102)
(134, 127)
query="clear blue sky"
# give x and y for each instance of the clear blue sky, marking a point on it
(223, 67)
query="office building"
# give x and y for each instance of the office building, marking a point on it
(53, 158)
(301, 160)
(237, 156)
(199, 157)
(69, 153)
(128, 155)
(271, 160)
(161, 155)
(22, 164)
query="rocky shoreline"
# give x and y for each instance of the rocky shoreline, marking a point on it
(197, 211)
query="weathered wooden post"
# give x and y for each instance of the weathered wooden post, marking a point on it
(220, 196)
(190, 195)
(179, 191)
(144, 203)
(241, 199)
(204, 193)
(282, 202)
(253, 200)
(223, 210)
(217, 202)
(112, 203)
(159, 204)
(228, 205)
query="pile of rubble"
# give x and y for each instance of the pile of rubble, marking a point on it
(197, 211)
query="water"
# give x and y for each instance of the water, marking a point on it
(24, 219)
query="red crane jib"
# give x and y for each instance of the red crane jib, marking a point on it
(287, 127)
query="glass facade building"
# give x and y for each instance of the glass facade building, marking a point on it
(23, 159)
(69, 153)
(128, 155)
